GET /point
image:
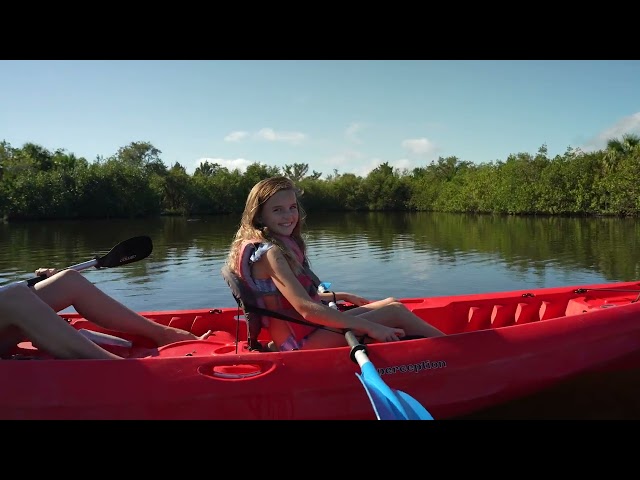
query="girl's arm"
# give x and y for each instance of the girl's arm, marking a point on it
(344, 296)
(285, 280)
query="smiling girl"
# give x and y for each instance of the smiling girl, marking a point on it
(273, 218)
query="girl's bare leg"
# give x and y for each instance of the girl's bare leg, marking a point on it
(70, 288)
(371, 306)
(397, 315)
(386, 312)
(20, 308)
(10, 335)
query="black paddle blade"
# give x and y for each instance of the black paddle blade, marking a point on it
(129, 251)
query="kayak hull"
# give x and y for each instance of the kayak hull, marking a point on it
(501, 348)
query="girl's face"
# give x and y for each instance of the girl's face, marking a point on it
(280, 212)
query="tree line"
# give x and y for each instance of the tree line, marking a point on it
(36, 183)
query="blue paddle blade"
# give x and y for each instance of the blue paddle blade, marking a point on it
(388, 403)
(414, 408)
(382, 407)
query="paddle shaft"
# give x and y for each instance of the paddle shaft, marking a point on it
(358, 350)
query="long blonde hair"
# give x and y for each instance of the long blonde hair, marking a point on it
(251, 229)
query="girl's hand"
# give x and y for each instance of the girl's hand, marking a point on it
(47, 272)
(355, 299)
(384, 334)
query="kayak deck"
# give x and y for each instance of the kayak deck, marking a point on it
(451, 314)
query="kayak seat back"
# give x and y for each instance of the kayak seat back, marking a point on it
(248, 303)
(253, 308)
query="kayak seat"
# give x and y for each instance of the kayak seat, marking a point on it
(253, 309)
(247, 302)
(253, 312)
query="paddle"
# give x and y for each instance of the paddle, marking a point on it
(388, 403)
(128, 251)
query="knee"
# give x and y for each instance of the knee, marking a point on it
(15, 296)
(398, 305)
(390, 300)
(71, 276)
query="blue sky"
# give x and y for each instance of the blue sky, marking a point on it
(349, 115)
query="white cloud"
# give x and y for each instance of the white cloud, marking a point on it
(420, 146)
(341, 161)
(239, 163)
(630, 124)
(236, 136)
(357, 163)
(344, 157)
(271, 135)
(403, 163)
(360, 169)
(398, 164)
(352, 131)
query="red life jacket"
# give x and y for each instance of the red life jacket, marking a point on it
(264, 295)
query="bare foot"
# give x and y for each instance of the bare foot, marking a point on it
(205, 335)
(172, 335)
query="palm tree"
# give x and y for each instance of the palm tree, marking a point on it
(617, 148)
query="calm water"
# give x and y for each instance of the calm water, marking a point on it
(373, 254)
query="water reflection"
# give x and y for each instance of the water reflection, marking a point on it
(375, 254)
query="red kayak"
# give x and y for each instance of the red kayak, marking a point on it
(501, 347)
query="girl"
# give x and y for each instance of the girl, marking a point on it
(31, 312)
(274, 217)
